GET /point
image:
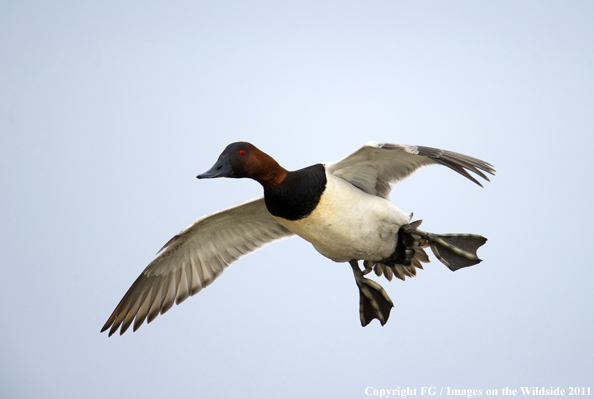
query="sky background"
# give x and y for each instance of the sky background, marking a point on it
(108, 111)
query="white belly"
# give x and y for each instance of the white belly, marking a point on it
(350, 224)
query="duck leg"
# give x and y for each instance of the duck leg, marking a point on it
(374, 303)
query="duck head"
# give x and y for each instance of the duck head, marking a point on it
(242, 159)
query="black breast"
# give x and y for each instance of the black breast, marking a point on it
(299, 193)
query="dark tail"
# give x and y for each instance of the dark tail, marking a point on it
(453, 250)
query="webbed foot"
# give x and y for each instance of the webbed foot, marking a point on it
(374, 303)
(453, 250)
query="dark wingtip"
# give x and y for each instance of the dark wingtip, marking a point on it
(107, 324)
(459, 162)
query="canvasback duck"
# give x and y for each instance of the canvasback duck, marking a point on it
(341, 208)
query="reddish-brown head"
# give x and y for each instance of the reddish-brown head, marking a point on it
(243, 159)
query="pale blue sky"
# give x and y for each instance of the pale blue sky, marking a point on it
(108, 111)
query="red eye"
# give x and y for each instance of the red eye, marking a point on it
(241, 152)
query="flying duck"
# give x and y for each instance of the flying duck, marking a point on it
(341, 208)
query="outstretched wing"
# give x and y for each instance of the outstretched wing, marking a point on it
(192, 259)
(376, 166)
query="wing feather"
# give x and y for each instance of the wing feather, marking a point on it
(143, 309)
(193, 259)
(169, 297)
(183, 290)
(157, 301)
(376, 166)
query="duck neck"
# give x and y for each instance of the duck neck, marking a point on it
(269, 173)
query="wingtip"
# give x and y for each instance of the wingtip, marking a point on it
(106, 325)
(110, 333)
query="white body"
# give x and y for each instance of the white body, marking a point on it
(350, 224)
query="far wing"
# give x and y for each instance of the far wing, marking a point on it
(192, 259)
(376, 166)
